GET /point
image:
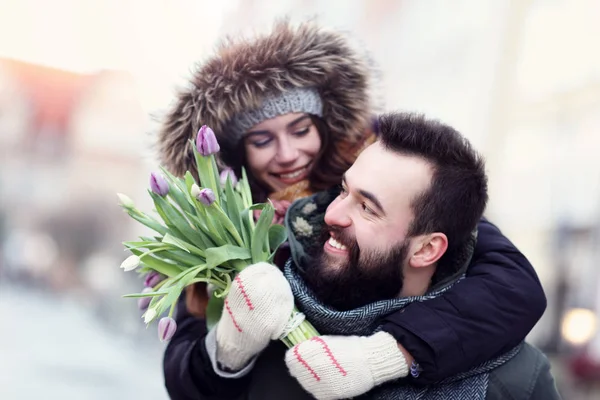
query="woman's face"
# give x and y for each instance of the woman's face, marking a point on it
(281, 151)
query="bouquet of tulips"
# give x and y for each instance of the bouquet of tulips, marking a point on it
(203, 234)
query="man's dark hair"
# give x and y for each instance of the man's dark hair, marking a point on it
(457, 197)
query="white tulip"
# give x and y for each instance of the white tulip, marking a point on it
(130, 263)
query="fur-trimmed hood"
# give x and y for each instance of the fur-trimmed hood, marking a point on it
(244, 71)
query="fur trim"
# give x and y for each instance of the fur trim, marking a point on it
(243, 71)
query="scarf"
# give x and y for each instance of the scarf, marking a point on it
(366, 320)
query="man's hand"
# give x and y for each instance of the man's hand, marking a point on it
(340, 367)
(257, 309)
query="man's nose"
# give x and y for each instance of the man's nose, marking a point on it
(287, 153)
(337, 213)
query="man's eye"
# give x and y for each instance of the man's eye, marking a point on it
(343, 192)
(367, 209)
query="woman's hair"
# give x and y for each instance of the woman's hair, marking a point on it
(330, 165)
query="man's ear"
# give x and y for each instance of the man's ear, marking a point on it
(428, 250)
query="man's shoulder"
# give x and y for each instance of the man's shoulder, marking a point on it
(525, 376)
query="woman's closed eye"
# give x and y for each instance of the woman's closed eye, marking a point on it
(302, 132)
(260, 143)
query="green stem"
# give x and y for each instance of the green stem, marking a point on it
(303, 332)
(220, 285)
(172, 309)
(159, 285)
(156, 250)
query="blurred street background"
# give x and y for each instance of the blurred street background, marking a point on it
(81, 79)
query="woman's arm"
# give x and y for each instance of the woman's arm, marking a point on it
(479, 318)
(187, 368)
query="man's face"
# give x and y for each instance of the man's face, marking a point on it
(366, 245)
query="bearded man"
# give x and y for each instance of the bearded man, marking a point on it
(401, 229)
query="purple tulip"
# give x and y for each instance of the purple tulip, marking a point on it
(206, 197)
(158, 184)
(153, 278)
(144, 302)
(206, 141)
(228, 172)
(166, 328)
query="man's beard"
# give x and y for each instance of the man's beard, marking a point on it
(361, 279)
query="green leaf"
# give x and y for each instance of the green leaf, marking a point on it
(169, 299)
(148, 244)
(247, 227)
(277, 236)
(149, 222)
(187, 247)
(216, 177)
(178, 192)
(260, 240)
(214, 225)
(182, 281)
(170, 239)
(222, 220)
(203, 231)
(155, 300)
(157, 264)
(216, 256)
(180, 223)
(185, 258)
(245, 189)
(214, 310)
(259, 206)
(233, 208)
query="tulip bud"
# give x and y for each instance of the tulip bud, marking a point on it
(153, 278)
(206, 197)
(228, 172)
(195, 191)
(149, 315)
(158, 184)
(166, 328)
(206, 141)
(144, 302)
(130, 263)
(126, 202)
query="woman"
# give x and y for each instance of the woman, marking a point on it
(294, 108)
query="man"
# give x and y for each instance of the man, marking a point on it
(401, 230)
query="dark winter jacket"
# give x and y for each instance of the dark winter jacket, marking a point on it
(477, 319)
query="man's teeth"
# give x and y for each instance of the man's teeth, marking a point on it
(336, 244)
(293, 175)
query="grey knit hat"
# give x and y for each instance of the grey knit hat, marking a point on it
(294, 100)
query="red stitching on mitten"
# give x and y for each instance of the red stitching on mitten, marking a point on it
(241, 286)
(231, 315)
(330, 354)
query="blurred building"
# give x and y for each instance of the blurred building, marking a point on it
(69, 143)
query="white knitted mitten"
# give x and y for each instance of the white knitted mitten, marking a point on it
(257, 309)
(340, 367)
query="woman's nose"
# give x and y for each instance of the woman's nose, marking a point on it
(287, 153)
